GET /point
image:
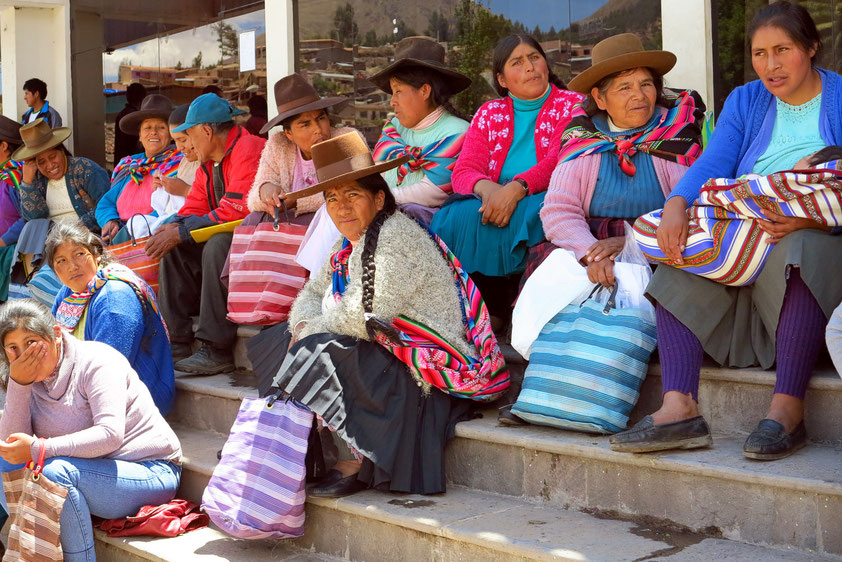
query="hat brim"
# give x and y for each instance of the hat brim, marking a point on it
(457, 82)
(59, 135)
(322, 103)
(350, 176)
(130, 124)
(660, 61)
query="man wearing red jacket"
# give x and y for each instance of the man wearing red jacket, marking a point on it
(189, 272)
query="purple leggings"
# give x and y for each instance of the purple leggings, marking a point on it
(798, 342)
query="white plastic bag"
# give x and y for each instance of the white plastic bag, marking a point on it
(557, 282)
(318, 241)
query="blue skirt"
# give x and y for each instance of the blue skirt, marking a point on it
(486, 248)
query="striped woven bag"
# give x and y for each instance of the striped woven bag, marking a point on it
(725, 242)
(586, 368)
(264, 278)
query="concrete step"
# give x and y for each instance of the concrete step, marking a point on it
(466, 524)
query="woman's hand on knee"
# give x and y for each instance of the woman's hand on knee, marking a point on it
(499, 207)
(16, 449)
(672, 232)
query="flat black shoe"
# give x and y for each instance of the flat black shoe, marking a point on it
(207, 361)
(646, 437)
(506, 417)
(331, 477)
(770, 441)
(339, 489)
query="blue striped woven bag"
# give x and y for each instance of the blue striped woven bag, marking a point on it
(586, 367)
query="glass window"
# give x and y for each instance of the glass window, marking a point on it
(337, 51)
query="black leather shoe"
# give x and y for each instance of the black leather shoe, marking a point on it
(331, 477)
(646, 437)
(506, 417)
(770, 441)
(180, 350)
(207, 361)
(339, 489)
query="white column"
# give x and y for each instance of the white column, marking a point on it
(35, 43)
(280, 46)
(686, 31)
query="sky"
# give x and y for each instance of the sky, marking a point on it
(179, 47)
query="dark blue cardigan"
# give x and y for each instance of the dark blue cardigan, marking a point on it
(115, 317)
(744, 130)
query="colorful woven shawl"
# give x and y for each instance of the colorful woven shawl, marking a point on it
(676, 136)
(11, 172)
(138, 166)
(433, 359)
(725, 242)
(436, 159)
(339, 267)
(70, 310)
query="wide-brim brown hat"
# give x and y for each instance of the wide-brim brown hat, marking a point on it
(342, 159)
(153, 106)
(294, 96)
(9, 130)
(421, 52)
(38, 137)
(616, 54)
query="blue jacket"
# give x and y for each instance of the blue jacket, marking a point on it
(115, 317)
(744, 130)
(47, 113)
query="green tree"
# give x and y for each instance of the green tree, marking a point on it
(438, 27)
(228, 40)
(178, 65)
(370, 39)
(477, 31)
(403, 30)
(197, 61)
(344, 27)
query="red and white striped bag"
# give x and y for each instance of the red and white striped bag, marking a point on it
(263, 277)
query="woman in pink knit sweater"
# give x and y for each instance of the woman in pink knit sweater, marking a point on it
(502, 173)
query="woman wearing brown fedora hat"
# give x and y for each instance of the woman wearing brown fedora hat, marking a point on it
(387, 275)
(134, 178)
(425, 127)
(55, 186)
(503, 171)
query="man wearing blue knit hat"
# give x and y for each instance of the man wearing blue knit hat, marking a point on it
(190, 271)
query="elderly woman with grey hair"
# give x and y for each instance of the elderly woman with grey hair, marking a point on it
(103, 438)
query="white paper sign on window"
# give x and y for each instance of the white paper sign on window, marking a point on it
(247, 51)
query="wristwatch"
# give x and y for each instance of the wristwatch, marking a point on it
(522, 182)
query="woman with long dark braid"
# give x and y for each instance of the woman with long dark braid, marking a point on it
(383, 337)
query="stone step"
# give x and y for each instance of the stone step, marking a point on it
(466, 524)
(732, 400)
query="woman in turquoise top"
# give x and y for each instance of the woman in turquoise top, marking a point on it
(425, 126)
(766, 125)
(502, 173)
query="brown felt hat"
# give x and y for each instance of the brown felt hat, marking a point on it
(421, 52)
(294, 96)
(38, 137)
(9, 130)
(616, 54)
(153, 106)
(341, 159)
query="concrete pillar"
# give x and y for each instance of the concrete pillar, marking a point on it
(687, 30)
(280, 45)
(35, 43)
(87, 45)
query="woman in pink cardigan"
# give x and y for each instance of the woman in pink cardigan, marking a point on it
(501, 176)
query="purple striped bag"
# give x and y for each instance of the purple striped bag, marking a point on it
(257, 489)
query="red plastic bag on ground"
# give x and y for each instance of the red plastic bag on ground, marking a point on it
(168, 520)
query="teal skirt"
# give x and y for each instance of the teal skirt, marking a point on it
(486, 248)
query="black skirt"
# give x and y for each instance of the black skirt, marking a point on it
(370, 399)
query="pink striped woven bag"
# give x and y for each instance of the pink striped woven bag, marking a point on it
(264, 278)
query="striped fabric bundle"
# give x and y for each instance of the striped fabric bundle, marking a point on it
(725, 242)
(138, 166)
(435, 361)
(35, 506)
(436, 159)
(257, 489)
(264, 278)
(11, 172)
(586, 368)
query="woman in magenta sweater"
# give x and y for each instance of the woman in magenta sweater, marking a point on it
(502, 173)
